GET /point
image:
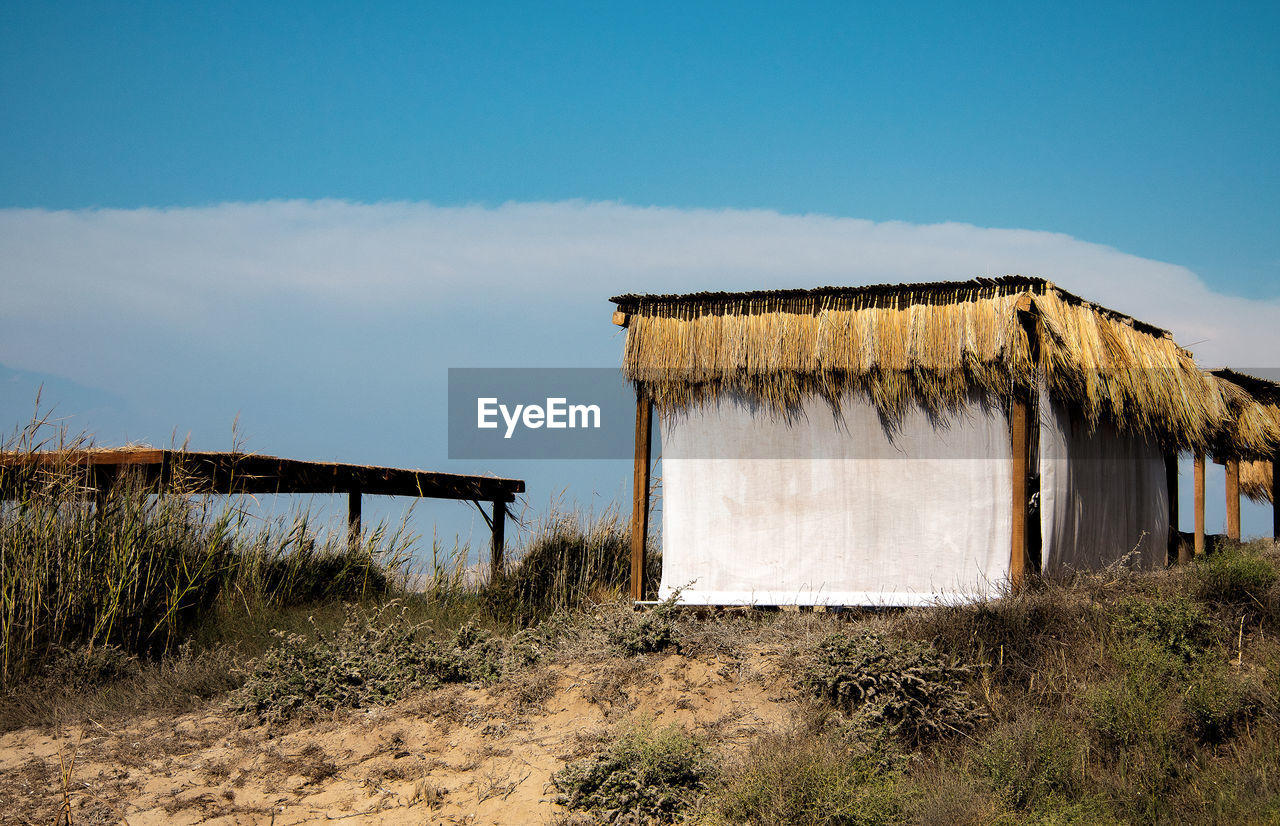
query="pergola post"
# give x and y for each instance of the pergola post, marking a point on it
(353, 517)
(1024, 436)
(1175, 552)
(1233, 498)
(640, 493)
(1275, 495)
(1199, 504)
(498, 540)
(1018, 416)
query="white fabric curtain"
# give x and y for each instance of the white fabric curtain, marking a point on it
(820, 510)
(1103, 495)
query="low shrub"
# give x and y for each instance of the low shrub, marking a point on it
(375, 657)
(1029, 762)
(906, 687)
(1176, 624)
(1235, 575)
(1218, 703)
(645, 773)
(1013, 636)
(808, 779)
(649, 631)
(1136, 708)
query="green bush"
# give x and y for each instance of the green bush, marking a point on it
(1236, 575)
(1175, 624)
(1218, 703)
(906, 687)
(811, 780)
(1030, 762)
(1136, 708)
(374, 658)
(643, 772)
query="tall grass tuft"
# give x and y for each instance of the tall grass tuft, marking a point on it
(570, 560)
(131, 568)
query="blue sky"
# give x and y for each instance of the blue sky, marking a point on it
(303, 213)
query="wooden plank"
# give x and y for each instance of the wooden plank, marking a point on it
(1174, 554)
(1233, 499)
(353, 517)
(1018, 444)
(1199, 504)
(496, 571)
(640, 493)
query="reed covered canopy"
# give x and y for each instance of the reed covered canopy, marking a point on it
(1252, 427)
(933, 344)
(1255, 479)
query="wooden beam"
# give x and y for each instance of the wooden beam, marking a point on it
(1018, 415)
(496, 546)
(620, 318)
(225, 473)
(1233, 499)
(640, 493)
(1199, 504)
(353, 517)
(1175, 552)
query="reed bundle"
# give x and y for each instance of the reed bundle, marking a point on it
(929, 344)
(1255, 479)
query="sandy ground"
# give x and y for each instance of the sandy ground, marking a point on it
(459, 754)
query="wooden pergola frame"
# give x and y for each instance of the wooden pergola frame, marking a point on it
(200, 472)
(1264, 390)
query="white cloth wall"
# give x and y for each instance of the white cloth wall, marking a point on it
(1103, 495)
(820, 511)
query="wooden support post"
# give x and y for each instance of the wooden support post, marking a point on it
(499, 540)
(1175, 552)
(1018, 415)
(1233, 498)
(353, 517)
(1275, 495)
(640, 493)
(1199, 504)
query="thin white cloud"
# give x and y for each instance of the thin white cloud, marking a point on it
(84, 287)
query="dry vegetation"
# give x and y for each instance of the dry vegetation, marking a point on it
(544, 698)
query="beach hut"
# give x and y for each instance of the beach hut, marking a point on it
(901, 444)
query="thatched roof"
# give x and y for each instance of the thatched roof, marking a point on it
(932, 343)
(1252, 428)
(1255, 480)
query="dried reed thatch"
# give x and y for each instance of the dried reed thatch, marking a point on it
(1255, 480)
(930, 343)
(1252, 428)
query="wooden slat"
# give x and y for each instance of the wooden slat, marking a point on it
(1233, 499)
(1199, 504)
(640, 494)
